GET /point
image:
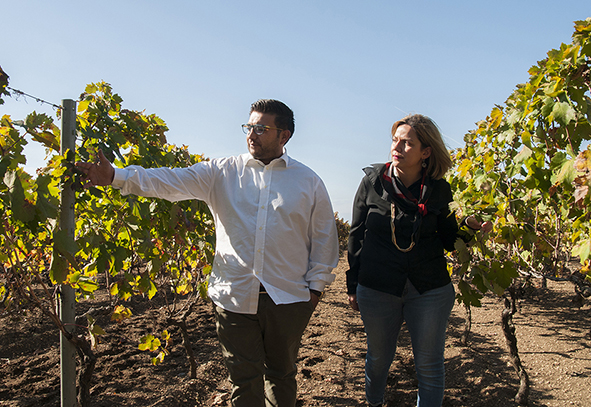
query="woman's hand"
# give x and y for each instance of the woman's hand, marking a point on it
(353, 302)
(475, 224)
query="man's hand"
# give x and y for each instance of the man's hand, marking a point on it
(100, 174)
(315, 299)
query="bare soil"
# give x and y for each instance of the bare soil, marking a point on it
(552, 338)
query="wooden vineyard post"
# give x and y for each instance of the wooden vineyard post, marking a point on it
(67, 302)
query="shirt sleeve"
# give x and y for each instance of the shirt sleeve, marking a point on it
(172, 184)
(324, 242)
(356, 236)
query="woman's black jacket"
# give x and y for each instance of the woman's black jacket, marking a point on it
(375, 262)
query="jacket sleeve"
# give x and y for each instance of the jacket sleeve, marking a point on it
(447, 226)
(356, 235)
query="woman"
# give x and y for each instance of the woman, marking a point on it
(400, 228)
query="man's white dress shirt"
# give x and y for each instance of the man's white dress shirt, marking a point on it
(274, 224)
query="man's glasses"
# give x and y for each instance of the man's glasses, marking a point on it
(258, 129)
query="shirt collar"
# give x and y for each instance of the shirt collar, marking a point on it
(284, 160)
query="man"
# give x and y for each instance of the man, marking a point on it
(276, 244)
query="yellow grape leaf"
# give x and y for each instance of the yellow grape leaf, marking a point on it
(91, 88)
(566, 172)
(582, 250)
(152, 290)
(450, 268)
(97, 330)
(489, 162)
(184, 289)
(581, 188)
(148, 342)
(83, 105)
(585, 250)
(497, 116)
(583, 161)
(464, 167)
(158, 359)
(524, 154)
(120, 313)
(553, 91)
(526, 138)
(58, 269)
(203, 290)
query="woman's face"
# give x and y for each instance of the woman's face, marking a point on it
(407, 152)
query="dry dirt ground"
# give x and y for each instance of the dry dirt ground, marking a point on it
(552, 338)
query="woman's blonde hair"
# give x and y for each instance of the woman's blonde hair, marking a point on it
(429, 135)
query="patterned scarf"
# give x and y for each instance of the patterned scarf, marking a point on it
(405, 202)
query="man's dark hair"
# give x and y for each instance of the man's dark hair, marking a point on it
(283, 114)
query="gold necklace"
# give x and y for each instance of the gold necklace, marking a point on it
(393, 228)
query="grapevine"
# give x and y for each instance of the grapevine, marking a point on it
(526, 167)
(141, 246)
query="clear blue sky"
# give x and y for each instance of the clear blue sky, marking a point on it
(348, 69)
